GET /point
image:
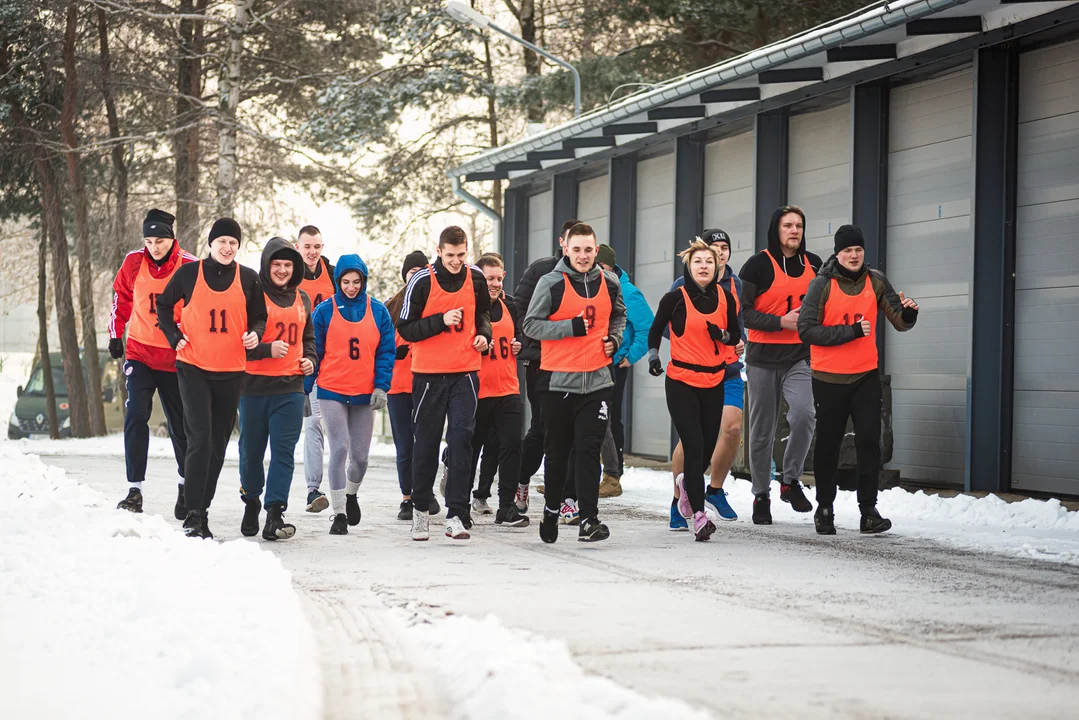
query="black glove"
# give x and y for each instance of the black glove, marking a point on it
(655, 368)
(116, 348)
(402, 351)
(716, 333)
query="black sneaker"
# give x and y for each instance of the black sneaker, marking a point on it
(466, 519)
(433, 509)
(794, 495)
(249, 526)
(549, 526)
(510, 516)
(133, 501)
(824, 520)
(193, 524)
(872, 522)
(179, 511)
(206, 534)
(352, 510)
(762, 510)
(405, 513)
(276, 528)
(339, 526)
(592, 530)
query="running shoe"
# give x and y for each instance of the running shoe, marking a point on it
(718, 501)
(456, 529)
(569, 514)
(684, 508)
(702, 527)
(677, 521)
(521, 498)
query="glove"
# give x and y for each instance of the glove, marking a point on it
(716, 333)
(402, 352)
(116, 348)
(655, 367)
(378, 399)
(307, 406)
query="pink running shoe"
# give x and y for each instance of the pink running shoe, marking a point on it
(702, 527)
(684, 508)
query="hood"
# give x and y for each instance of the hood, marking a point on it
(773, 233)
(693, 289)
(563, 266)
(283, 250)
(349, 263)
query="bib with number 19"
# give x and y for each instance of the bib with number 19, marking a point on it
(451, 350)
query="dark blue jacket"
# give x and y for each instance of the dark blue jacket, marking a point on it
(733, 368)
(353, 310)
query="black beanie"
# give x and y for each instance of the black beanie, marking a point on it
(415, 259)
(848, 236)
(158, 223)
(716, 236)
(225, 226)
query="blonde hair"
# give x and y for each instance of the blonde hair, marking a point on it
(695, 247)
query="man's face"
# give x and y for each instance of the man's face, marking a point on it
(494, 276)
(852, 258)
(453, 256)
(724, 251)
(158, 247)
(280, 272)
(791, 227)
(608, 268)
(351, 284)
(310, 247)
(581, 251)
(562, 245)
(223, 249)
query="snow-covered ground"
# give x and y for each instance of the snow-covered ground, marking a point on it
(14, 371)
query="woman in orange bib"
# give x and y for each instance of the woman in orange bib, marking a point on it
(703, 320)
(222, 315)
(839, 321)
(354, 341)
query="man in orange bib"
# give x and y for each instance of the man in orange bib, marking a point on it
(578, 316)
(272, 399)
(839, 321)
(446, 317)
(319, 285)
(774, 281)
(151, 363)
(222, 315)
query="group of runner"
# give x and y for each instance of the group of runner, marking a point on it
(302, 345)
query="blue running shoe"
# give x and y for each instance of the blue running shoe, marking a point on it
(718, 500)
(677, 521)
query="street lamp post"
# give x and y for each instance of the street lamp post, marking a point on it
(463, 13)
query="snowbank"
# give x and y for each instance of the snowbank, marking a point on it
(14, 371)
(108, 614)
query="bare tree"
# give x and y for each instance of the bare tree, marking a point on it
(186, 146)
(119, 164)
(43, 336)
(229, 85)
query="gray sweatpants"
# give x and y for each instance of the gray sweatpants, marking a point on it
(767, 388)
(348, 429)
(313, 443)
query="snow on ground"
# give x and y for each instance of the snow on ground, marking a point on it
(108, 614)
(1040, 529)
(14, 371)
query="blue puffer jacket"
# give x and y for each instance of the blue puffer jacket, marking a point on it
(639, 317)
(353, 310)
(734, 368)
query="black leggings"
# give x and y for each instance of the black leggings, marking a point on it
(210, 403)
(697, 414)
(861, 402)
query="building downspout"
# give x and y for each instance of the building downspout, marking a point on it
(475, 202)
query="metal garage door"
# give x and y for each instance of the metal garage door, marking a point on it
(540, 234)
(728, 193)
(653, 275)
(1046, 453)
(819, 173)
(593, 206)
(929, 256)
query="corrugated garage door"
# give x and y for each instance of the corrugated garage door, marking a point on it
(1046, 452)
(819, 173)
(929, 256)
(540, 235)
(593, 206)
(728, 193)
(653, 275)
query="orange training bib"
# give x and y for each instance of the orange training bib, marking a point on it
(451, 350)
(348, 359)
(498, 375)
(579, 354)
(215, 323)
(856, 356)
(319, 289)
(282, 324)
(696, 359)
(785, 295)
(143, 326)
(402, 369)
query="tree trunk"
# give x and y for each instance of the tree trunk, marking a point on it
(119, 165)
(43, 336)
(82, 230)
(527, 19)
(186, 147)
(229, 94)
(492, 125)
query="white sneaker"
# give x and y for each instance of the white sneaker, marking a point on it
(569, 514)
(521, 498)
(456, 529)
(420, 527)
(480, 506)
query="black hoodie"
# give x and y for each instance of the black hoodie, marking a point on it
(757, 276)
(672, 309)
(284, 298)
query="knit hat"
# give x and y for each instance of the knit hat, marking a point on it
(415, 259)
(225, 226)
(716, 236)
(158, 223)
(606, 255)
(848, 236)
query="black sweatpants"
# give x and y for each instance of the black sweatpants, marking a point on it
(488, 463)
(210, 403)
(499, 419)
(697, 414)
(443, 400)
(861, 402)
(142, 381)
(618, 428)
(532, 445)
(577, 423)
